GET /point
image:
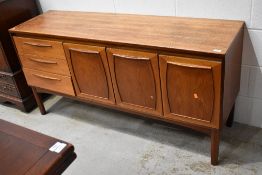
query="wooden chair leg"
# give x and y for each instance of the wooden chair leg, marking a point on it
(39, 101)
(215, 139)
(230, 119)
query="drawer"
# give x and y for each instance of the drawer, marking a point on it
(8, 89)
(39, 47)
(6, 78)
(49, 81)
(57, 66)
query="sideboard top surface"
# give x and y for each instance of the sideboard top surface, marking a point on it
(207, 36)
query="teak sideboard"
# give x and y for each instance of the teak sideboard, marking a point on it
(179, 70)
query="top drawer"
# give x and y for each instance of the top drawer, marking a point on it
(39, 47)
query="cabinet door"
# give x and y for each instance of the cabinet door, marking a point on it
(191, 89)
(135, 77)
(90, 72)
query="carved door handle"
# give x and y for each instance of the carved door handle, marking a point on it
(189, 65)
(130, 57)
(84, 51)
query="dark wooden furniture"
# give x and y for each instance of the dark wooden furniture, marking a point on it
(179, 70)
(13, 86)
(26, 152)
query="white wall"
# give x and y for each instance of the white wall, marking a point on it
(249, 102)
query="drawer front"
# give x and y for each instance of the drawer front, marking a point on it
(57, 66)
(6, 78)
(39, 47)
(49, 81)
(191, 89)
(8, 89)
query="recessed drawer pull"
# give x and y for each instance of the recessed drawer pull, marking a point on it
(46, 77)
(37, 44)
(84, 51)
(189, 65)
(42, 61)
(130, 57)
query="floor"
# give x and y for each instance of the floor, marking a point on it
(111, 143)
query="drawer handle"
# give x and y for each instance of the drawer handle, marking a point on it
(42, 61)
(37, 44)
(130, 57)
(46, 77)
(189, 65)
(84, 51)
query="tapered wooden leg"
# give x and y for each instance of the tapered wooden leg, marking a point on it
(39, 102)
(215, 139)
(230, 119)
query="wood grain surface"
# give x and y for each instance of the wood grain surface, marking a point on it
(191, 89)
(172, 33)
(59, 83)
(41, 48)
(136, 82)
(24, 151)
(90, 72)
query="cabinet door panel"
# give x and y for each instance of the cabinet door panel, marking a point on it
(191, 89)
(135, 77)
(89, 67)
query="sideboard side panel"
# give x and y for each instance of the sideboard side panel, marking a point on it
(233, 60)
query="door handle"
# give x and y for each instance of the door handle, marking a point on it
(84, 51)
(190, 65)
(131, 57)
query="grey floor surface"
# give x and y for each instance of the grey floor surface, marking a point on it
(114, 143)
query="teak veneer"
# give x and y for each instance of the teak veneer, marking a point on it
(179, 70)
